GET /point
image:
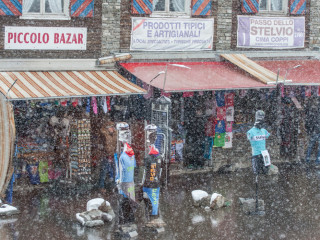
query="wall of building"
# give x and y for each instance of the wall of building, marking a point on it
(117, 14)
(224, 25)
(314, 24)
(93, 25)
(111, 14)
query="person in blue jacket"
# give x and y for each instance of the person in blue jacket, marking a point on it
(125, 165)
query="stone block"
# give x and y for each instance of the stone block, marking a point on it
(248, 205)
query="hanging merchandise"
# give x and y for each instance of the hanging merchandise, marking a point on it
(75, 102)
(32, 169)
(187, 94)
(220, 98)
(229, 99)
(80, 102)
(243, 93)
(314, 90)
(210, 106)
(308, 91)
(209, 127)
(228, 140)
(219, 139)
(94, 105)
(221, 113)
(318, 93)
(220, 127)
(88, 106)
(149, 89)
(208, 144)
(104, 104)
(109, 103)
(64, 102)
(282, 89)
(43, 171)
(230, 114)
(200, 93)
(80, 149)
(179, 150)
(173, 151)
(229, 126)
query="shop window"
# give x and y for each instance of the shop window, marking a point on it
(171, 7)
(273, 6)
(45, 9)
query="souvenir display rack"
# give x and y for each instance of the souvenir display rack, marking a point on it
(80, 149)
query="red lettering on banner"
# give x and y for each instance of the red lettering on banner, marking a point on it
(33, 38)
(25, 37)
(45, 38)
(62, 39)
(74, 38)
(39, 38)
(19, 35)
(69, 36)
(80, 37)
(10, 36)
(56, 38)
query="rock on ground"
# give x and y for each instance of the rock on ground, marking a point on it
(217, 201)
(7, 210)
(98, 212)
(96, 203)
(200, 198)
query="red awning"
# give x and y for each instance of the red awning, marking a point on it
(202, 76)
(307, 74)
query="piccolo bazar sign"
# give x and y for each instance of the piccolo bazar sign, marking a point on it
(45, 38)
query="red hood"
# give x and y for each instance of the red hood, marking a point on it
(128, 150)
(153, 150)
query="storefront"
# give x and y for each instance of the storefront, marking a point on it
(58, 117)
(213, 106)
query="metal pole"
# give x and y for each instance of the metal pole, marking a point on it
(257, 204)
(165, 77)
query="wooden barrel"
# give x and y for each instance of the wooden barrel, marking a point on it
(7, 138)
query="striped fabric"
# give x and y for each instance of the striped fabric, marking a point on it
(7, 136)
(250, 6)
(33, 85)
(298, 7)
(201, 7)
(82, 8)
(142, 6)
(11, 7)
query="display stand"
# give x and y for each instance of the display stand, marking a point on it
(80, 150)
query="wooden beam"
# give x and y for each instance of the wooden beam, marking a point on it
(260, 73)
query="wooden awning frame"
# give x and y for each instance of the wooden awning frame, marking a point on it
(260, 73)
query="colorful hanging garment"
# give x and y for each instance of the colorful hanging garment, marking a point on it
(94, 105)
